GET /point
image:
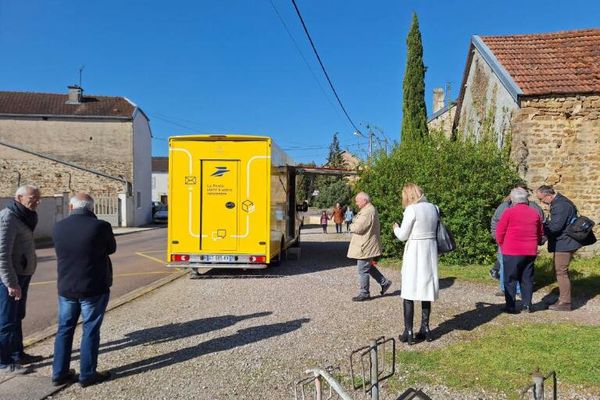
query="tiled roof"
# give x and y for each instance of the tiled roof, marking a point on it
(550, 63)
(160, 164)
(25, 103)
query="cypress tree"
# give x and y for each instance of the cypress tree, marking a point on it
(414, 112)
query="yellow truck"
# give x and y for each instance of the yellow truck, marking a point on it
(232, 202)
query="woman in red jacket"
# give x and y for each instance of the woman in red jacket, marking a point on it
(518, 233)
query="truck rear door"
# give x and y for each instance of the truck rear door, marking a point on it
(220, 205)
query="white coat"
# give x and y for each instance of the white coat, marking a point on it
(420, 260)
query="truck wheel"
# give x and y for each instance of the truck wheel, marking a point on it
(280, 257)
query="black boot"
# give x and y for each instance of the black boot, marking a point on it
(409, 312)
(425, 333)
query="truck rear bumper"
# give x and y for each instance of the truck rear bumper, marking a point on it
(216, 265)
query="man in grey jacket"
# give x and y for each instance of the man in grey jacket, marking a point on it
(17, 265)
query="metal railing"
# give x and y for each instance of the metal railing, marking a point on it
(374, 357)
(376, 366)
(537, 387)
(321, 383)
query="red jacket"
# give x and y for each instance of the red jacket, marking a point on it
(519, 231)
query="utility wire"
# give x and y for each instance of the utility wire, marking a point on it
(297, 46)
(322, 66)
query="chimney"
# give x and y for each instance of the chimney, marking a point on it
(75, 94)
(438, 99)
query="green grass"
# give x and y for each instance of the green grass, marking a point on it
(585, 273)
(502, 359)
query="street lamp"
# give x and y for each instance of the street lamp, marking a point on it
(371, 134)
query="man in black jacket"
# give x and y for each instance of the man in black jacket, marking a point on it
(562, 213)
(83, 244)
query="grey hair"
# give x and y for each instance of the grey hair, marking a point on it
(364, 196)
(519, 195)
(547, 190)
(26, 189)
(78, 202)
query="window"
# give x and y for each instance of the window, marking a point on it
(138, 199)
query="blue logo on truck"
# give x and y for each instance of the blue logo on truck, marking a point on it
(220, 171)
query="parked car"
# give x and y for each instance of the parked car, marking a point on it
(157, 205)
(161, 215)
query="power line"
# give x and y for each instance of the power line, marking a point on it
(297, 46)
(323, 67)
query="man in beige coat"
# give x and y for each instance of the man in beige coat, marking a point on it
(365, 246)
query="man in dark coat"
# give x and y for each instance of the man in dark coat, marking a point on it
(562, 213)
(83, 244)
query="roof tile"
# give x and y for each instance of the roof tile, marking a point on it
(551, 63)
(27, 103)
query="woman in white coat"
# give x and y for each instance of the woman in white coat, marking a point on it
(420, 260)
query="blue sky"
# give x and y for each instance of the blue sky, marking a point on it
(229, 66)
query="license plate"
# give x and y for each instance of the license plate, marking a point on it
(219, 258)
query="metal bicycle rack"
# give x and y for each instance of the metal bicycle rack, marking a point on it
(374, 356)
(537, 387)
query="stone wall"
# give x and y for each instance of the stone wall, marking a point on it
(100, 145)
(556, 141)
(487, 107)
(19, 168)
(443, 122)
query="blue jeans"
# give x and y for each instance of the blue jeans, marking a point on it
(12, 313)
(365, 269)
(92, 312)
(501, 263)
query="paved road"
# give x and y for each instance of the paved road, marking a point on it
(137, 262)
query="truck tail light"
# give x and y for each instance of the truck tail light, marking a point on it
(180, 257)
(258, 259)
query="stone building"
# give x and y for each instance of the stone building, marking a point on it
(66, 143)
(540, 95)
(442, 118)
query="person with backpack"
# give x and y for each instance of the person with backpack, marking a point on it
(562, 213)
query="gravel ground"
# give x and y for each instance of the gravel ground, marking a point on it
(251, 334)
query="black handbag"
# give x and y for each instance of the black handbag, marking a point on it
(445, 239)
(580, 228)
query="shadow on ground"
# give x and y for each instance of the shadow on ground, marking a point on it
(240, 338)
(469, 320)
(169, 332)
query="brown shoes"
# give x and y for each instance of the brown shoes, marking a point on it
(560, 307)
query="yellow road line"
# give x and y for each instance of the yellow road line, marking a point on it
(115, 276)
(158, 260)
(128, 274)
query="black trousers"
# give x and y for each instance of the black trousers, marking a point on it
(518, 269)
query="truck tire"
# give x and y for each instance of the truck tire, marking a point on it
(280, 257)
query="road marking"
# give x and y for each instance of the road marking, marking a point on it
(127, 274)
(158, 260)
(114, 276)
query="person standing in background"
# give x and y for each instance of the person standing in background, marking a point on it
(338, 217)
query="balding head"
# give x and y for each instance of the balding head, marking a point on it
(362, 199)
(82, 200)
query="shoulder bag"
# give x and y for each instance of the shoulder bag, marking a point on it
(445, 239)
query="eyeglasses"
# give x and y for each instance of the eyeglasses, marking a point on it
(33, 197)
